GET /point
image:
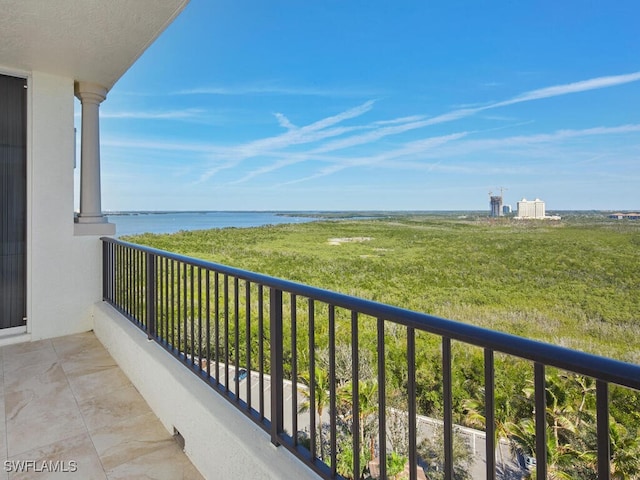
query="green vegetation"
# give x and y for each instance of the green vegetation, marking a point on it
(573, 283)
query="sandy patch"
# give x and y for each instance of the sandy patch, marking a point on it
(340, 241)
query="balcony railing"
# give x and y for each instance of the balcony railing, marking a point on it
(221, 322)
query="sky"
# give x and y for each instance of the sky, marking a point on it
(379, 105)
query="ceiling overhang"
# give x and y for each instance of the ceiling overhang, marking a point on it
(93, 41)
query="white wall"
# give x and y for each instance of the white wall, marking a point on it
(220, 441)
(64, 271)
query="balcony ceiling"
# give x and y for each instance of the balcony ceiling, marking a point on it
(87, 40)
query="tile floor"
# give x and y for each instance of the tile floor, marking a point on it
(65, 400)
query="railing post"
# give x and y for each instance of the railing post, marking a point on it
(105, 269)
(411, 387)
(489, 413)
(382, 400)
(151, 295)
(541, 420)
(602, 422)
(447, 393)
(277, 368)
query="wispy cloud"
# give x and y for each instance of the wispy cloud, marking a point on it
(412, 118)
(576, 87)
(417, 147)
(284, 121)
(276, 90)
(372, 136)
(157, 115)
(155, 145)
(268, 168)
(467, 147)
(547, 92)
(385, 128)
(311, 133)
(327, 140)
(454, 145)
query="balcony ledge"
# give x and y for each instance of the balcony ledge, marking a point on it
(97, 229)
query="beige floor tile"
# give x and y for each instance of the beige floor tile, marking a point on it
(167, 463)
(91, 361)
(75, 345)
(34, 421)
(112, 407)
(26, 347)
(45, 355)
(43, 380)
(88, 385)
(3, 433)
(132, 438)
(76, 455)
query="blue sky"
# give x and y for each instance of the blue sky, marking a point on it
(379, 105)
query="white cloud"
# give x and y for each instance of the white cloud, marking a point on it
(523, 140)
(582, 86)
(327, 135)
(547, 92)
(412, 118)
(284, 121)
(276, 90)
(453, 145)
(303, 135)
(405, 124)
(413, 148)
(158, 145)
(166, 115)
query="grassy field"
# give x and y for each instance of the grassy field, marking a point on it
(574, 282)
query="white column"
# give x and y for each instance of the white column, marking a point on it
(90, 95)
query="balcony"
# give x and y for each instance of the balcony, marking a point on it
(174, 325)
(302, 391)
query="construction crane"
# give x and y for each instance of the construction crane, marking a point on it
(502, 190)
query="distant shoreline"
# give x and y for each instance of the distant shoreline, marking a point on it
(348, 213)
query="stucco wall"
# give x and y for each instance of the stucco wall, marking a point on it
(63, 269)
(220, 441)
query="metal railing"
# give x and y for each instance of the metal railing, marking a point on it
(253, 338)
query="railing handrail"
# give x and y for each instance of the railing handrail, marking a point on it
(595, 366)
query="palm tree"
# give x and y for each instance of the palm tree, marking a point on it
(368, 405)
(587, 386)
(474, 416)
(625, 452)
(563, 421)
(560, 411)
(560, 458)
(322, 399)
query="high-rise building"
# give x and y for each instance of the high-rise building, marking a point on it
(496, 205)
(531, 208)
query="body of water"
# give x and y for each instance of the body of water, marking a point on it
(133, 223)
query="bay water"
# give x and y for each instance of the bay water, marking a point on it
(133, 223)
